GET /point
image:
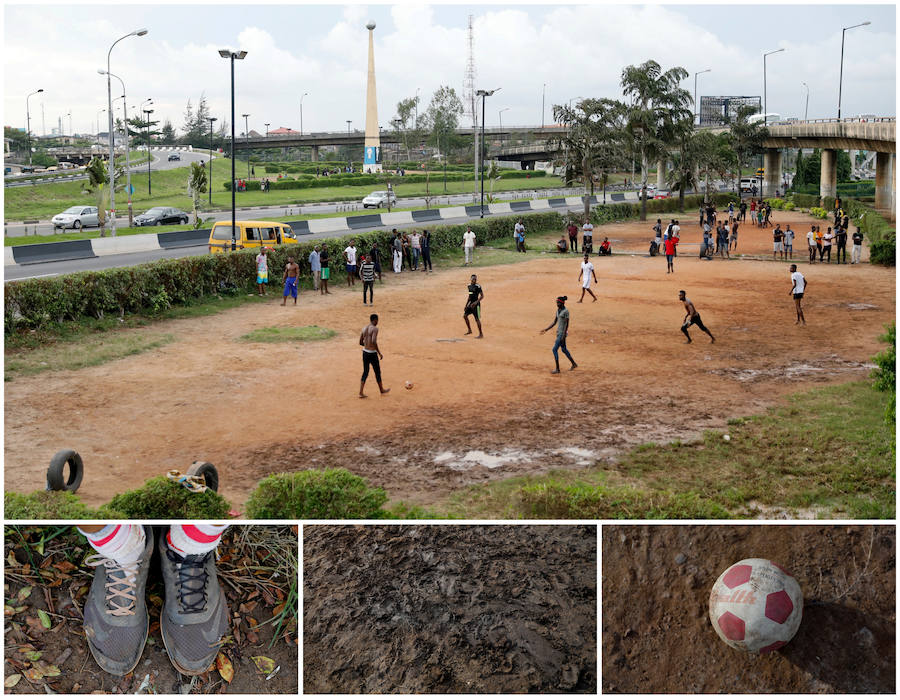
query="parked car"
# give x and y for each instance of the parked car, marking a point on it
(174, 156)
(661, 194)
(76, 218)
(157, 216)
(379, 199)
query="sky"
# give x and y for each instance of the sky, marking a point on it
(535, 53)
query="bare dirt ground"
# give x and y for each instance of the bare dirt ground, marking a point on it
(450, 609)
(480, 409)
(56, 659)
(657, 637)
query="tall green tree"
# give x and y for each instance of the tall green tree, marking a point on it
(167, 133)
(746, 137)
(98, 185)
(442, 118)
(197, 185)
(592, 142)
(405, 124)
(657, 105)
(138, 131)
(18, 139)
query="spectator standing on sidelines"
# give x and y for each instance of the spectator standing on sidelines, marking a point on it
(669, 244)
(587, 237)
(350, 262)
(857, 247)
(315, 267)
(407, 255)
(367, 275)
(587, 271)
(753, 211)
(827, 241)
(743, 211)
(469, 244)
(290, 280)
(426, 252)
(519, 235)
(723, 240)
(375, 259)
(841, 236)
(415, 246)
(572, 230)
(798, 287)
(778, 245)
(789, 243)
(262, 271)
(734, 235)
(397, 252)
(324, 261)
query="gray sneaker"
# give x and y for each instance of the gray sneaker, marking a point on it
(115, 613)
(195, 616)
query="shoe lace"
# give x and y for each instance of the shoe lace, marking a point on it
(192, 580)
(121, 581)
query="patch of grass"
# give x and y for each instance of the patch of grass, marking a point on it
(828, 450)
(162, 499)
(304, 334)
(326, 494)
(48, 505)
(87, 352)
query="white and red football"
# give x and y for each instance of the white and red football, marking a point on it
(756, 606)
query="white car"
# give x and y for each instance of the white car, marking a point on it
(76, 218)
(378, 200)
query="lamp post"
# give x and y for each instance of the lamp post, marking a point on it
(500, 117)
(543, 95)
(99, 112)
(841, 78)
(267, 129)
(28, 121)
(232, 55)
(209, 184)
(301, 111)
(247, 141)
(127, 146)
(69, 115)
(765, 101)
(112, 136)
(148, 112)
(483, 94)
(696, 110)
(806, 110)
(416, 125)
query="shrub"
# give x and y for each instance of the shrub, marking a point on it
(884, 251)
(885, 374)
(777, 203)
(805, 200)
(328, 494)
(50, 505)
(160, 498)
(818, 212)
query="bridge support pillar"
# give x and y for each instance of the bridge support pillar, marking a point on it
(315, 154)
(884, 181)
(772, 159)
(828, 178)
(661, 175)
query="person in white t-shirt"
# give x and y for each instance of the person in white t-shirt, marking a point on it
(798, 287)
(519, 236)
(811, 240)
(587, 236)
(469, 244)
(350, 261)
(587, 271)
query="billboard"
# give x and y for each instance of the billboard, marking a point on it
(716, 111)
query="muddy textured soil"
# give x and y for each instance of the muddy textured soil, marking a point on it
(61, 650)
(479, 410)
(657, 637)
(450, 609)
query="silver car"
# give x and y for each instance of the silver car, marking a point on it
(380, 199)
(76, 218)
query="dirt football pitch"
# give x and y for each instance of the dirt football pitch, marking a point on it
(479, 410)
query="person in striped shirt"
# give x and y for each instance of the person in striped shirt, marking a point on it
(367, 274)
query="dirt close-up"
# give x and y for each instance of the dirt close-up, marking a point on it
(479, 409)
(657, 636)
(449, 609)
(46, 652)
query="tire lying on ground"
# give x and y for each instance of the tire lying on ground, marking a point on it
(56, 472)
(208, 472)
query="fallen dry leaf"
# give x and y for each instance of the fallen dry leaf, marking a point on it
(11, 681)
(48, 670)
(264, 664)
(226, 670)
(12, 559)
(33, 655)
(23, 593)
(45, 619)
(64, 566)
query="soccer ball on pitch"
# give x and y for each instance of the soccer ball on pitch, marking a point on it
(409, 385)
(756, 606)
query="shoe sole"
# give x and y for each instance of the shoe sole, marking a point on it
(100, 658)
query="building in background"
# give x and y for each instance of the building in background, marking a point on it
(716, 111)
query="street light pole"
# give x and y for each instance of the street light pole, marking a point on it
(841, 79)
(500, 117)
(696, 110)
(127, 147)
(483, 94)
(209, 184)
(806, 110)
(28, 120)
(301, 111)
(112, 136)
(247, 141)
(267, 129)
(232, 55)
(148, 112)
(416, 126)
(543, 96)
(765, 101)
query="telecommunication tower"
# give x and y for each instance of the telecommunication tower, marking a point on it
(469, 82)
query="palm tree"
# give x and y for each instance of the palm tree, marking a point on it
(197, 184)
(746, 138)
(98, 177)
(658, 105)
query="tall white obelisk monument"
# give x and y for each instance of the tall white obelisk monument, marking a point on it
(372, 155)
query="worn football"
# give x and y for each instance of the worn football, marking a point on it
(756, 606)
(409, 385)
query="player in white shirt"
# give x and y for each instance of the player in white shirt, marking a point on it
(469, 244)
(587, 271)
(587, 236)
(798, 287)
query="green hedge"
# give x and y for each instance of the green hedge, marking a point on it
(333, 494)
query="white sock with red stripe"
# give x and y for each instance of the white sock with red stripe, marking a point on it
(124, 543)
(194, 539)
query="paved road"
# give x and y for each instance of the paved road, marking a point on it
(18, 272)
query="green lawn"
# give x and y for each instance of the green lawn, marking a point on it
(303, 334)
(824, 453)
(170, 189)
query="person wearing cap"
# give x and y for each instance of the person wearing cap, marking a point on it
(562, 321)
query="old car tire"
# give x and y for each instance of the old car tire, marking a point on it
(56, 479)
(208, 472)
